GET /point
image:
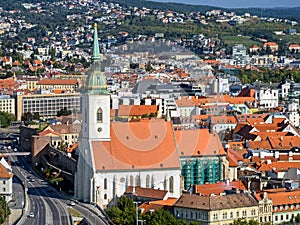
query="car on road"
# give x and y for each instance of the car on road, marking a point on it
(32, 180)
(72, 203)
(15, 149)
(31, 215)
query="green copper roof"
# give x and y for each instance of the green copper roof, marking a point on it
(96, 51)
(96, 80)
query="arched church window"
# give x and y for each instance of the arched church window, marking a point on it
(131, 181)
(147, 181)
(105, 184)
(105, 196)
(171, 184)
(137, 180)
(99, 115)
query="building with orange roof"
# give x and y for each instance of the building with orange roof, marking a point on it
(272, 45)
(202, 157)
(185, 106)
(284, 205)
(219, 188)
(216, 209)
(137, 111)
(145, 194)
(58, 84)
(140, 153)
(167, 204)
(6, 176)
(294, 47)
(222, 123)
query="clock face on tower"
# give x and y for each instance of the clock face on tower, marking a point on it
(99, 129)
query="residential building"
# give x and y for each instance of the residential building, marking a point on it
(267, 97)
(285, 204)
(216, 209)
(239, 54)
(6, 181)
(7, 104)
(270, 45)
(70, 85)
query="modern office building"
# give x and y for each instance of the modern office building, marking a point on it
(47, 105)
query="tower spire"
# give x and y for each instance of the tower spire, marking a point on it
(96, 50)
(96, 80)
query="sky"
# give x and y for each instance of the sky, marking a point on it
(240, 3)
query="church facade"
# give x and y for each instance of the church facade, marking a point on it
(115, 155)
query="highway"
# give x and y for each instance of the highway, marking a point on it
(47, 206)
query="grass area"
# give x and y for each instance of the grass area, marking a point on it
(74, 212)
(245, 40)
(295, 39)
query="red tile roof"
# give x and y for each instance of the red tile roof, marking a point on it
(198, 142)
(137, 110)
(145, 144)
(57, 82)
(146, 192)
(4, 173)
(218, 188)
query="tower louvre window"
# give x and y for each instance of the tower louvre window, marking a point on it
(99, 115)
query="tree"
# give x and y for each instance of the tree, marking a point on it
(6, 119)
(4, 210)
(27, 117)
(161, 217)
(64, 112)
(124, 212)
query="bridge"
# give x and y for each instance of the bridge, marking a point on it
(14, 153)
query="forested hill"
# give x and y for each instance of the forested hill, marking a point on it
(288, 13)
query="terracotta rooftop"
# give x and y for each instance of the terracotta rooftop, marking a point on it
(218, 202)
(198, 142)
(145, 144)
(137, 110)
(282, 199)
(57, 82)
(4, 173)
(146, 192)
(218, 188)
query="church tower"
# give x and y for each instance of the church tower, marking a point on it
(95, 125)
(293, 105)
(96, 100)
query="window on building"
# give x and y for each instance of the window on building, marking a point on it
(99, 115)
(137, 180)
(4, 182)
(131, 180)
(237, 214)
(105, 184)
(281, 217)
(171, 184)
(224, 215)
(287, 216)
(147, 181)
(4, 189)
(244, 213)
(105, 196)
(215, 216)
(231, 215)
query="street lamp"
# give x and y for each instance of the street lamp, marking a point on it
(136, 212)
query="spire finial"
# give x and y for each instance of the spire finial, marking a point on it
(96, 50)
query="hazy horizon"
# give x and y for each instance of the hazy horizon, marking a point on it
(240, 3)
